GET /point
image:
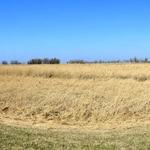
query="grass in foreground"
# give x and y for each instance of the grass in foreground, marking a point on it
(26, 138)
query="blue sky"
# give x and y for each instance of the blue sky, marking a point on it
(74, 29)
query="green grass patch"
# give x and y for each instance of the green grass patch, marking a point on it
(16, 138)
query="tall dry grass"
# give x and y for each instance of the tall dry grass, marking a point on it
(85, 71)
(76, 94)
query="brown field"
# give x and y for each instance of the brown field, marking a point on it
(92, 96)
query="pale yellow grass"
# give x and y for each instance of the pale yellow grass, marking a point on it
(77, 95)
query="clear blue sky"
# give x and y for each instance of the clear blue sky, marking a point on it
(71, 29)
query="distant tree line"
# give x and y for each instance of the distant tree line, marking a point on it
(44, 61)
(34, 61)
(75, 61)
(131, 60)
(13, 62)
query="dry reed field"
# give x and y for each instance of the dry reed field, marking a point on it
(72, 106)
(89, 95)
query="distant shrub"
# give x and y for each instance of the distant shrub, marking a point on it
(76, 62)
(15, 62)
(113, 61)
(146, 60)
(35, 61)
(4, 62)
(44, 61)
(136, 60)
(54, 61)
